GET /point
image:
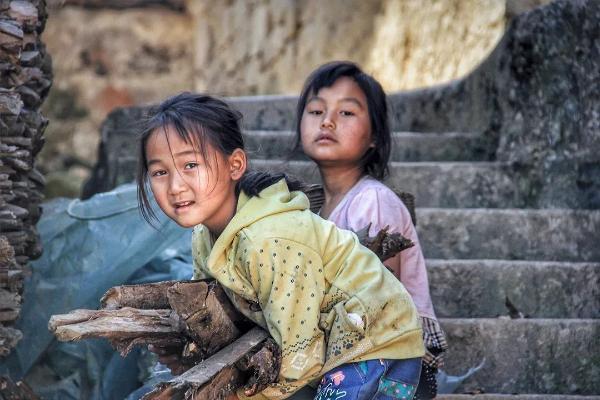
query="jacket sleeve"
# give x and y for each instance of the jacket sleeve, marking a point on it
(289, 288)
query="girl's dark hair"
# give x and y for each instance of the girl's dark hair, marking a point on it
(199, 119)
(375, 160)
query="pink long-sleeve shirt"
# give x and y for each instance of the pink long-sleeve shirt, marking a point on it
(370, 201)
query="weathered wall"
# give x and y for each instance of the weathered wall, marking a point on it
(106, 58)
(25, 77)
(270, 46)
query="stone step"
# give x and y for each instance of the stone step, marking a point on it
(496, 396)
(406, 146)
(278, 112)
(266, 112)
(510, 234)
(537, 356)
(434, 184)
(538, 289)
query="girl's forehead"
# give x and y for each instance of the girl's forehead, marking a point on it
(343, 88)
(167, 140)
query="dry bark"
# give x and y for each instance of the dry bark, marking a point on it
(384, 244)
(25, 79)
(177, 5)
(15, 391)
(195, 312)
(252, 360)
(146, 297)
(209, 317)
(124, 328)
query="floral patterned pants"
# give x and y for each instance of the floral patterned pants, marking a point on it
(372, 379)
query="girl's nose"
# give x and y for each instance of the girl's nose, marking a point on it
(177, 183)
(327, 122)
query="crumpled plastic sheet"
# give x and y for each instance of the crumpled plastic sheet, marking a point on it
(89, 247)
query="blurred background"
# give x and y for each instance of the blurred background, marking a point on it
(112, 53)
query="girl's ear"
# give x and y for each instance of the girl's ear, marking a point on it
(237, 164)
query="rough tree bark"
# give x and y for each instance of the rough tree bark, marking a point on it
(25, 78)
(177, 5)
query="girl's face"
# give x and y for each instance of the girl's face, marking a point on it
(335, 128)
(187, 188)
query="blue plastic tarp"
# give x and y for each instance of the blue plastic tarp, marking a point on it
(89, 247)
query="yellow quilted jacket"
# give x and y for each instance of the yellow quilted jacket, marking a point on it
(323, 297)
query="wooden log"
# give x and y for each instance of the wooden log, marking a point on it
(147, 296)
(224, 372)
(10, 103)
(24, 13)
(202, 313)
(384, 244)
(210, 318)
(7, 252)
(10, 305)
(124, 328)
(9, 337)
(177, 5)
(10, 28)
(25, 74)
(15, 391)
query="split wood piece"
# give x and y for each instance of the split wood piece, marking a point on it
(177, 5)
(146, 297)
(24, 13)
(9, 337)
(384, 244)
(208, 315)
(197, 314)
(10, 305)
(251, 362)
(15, 391)
(124, 328)
(10, 102)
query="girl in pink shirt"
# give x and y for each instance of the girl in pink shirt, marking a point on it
(342, 125)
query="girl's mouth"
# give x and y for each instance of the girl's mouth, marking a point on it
(182, 204)
(324, 138)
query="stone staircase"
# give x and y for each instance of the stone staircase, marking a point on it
(483, 243)
(482, 247)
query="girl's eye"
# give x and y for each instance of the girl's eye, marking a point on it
(190, 165)
(347, 113)
(315, 112)
(159, 172)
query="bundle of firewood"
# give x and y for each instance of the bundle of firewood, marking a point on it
(220, 349)
(25, 78)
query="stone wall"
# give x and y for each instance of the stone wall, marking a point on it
(105, 58)
(25, 78)
(537, 97)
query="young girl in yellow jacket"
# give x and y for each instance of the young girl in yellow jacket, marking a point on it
(327, 301)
